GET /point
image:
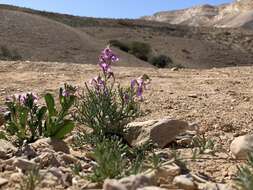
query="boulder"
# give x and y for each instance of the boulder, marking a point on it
(184, 182)
(161, 132)
(7, 150)
(241, 146)
(52, 144)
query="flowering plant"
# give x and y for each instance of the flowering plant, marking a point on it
(25, 117)
(104, 105)
(28, 121)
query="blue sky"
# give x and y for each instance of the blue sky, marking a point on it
(110, 8)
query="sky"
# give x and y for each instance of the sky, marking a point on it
(110, 8)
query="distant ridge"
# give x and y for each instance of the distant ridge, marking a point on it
(237, 14)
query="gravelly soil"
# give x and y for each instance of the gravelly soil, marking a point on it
(219, 100)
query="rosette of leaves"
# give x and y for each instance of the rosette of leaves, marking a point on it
(58, 123)
(25, 118)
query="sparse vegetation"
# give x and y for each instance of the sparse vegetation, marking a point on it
(161, 61)
(140, 50)
(32, 180)
(28, 121)
(244, 178)
(9, 55)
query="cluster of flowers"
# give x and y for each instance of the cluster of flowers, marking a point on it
(23, 98)
(106, 59)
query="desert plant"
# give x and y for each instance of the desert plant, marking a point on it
(161, 61)
(244, 179)
(121, 45)
(28, 121)
(202, 143)
(57, 125)
(25, 118)
(109, 156)
(7, 54)
(106, 107)
(141, 50)
(32, 180)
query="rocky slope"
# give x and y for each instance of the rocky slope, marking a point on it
(236, 14)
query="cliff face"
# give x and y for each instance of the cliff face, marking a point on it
(237, 14)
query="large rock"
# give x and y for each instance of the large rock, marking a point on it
(184, 182)
(132, 182)
(7, 150)
(161, 132)
(50, 144)
(241, 146)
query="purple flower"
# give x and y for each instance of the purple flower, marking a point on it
(23, 98)
(107, 56)
(98, 83)
(140, 84)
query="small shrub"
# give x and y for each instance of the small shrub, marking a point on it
(32, 180)
(140, 50)
(7, 54)
(106, 107)
(109, 156)
(121, 45)
(244, 179)
(56, 124)
(161, 61)
(202, 143)
(25, 118)
(28, 121)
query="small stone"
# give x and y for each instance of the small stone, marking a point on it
(184, 182)
(16, 177)
(166, 173)
(7, 150)
(3, 181)
(47, 159)
(52, 144)
(161, 132)
(241, 146)
(24, 165)
(68, 159)
(128, 183)
(214, 186)
(113, 185)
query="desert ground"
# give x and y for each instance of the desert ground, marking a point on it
(218, 100)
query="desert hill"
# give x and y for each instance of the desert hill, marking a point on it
(43, 36)
(237, 14)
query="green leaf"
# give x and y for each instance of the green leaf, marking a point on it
(66, 127)
(50, 105)
(3, 136)
(41, 113)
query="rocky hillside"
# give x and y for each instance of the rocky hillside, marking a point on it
(236, 14)
(43, 36)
